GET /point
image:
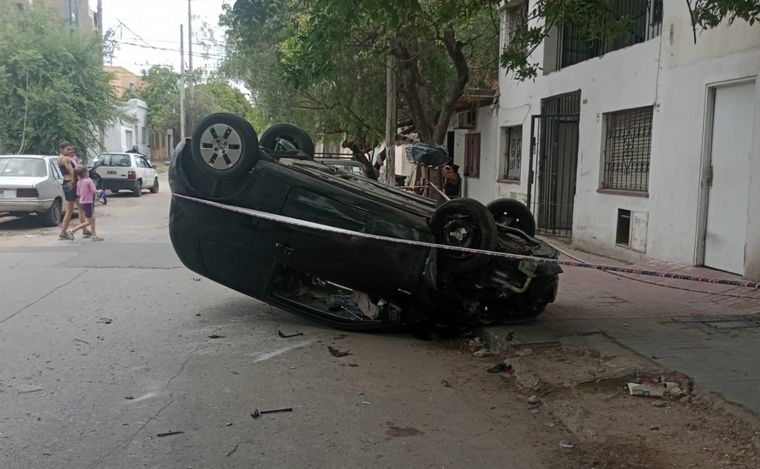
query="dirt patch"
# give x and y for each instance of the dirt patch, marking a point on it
(577, 388)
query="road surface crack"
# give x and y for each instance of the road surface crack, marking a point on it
(44, 296)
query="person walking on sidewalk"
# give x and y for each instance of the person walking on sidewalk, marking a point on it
(86, 190)
(67, 167)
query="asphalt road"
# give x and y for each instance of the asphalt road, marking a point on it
(107, 346)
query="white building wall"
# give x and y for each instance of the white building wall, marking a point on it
(115, 139)
(480, 188)
(672, 74)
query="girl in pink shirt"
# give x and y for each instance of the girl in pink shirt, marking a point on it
(86, 191)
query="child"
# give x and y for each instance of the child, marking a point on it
(86, 191)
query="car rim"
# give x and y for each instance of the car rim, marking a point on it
(221, 146)
(460, 232)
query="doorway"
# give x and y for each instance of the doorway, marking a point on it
(731, 113)
(554, 162)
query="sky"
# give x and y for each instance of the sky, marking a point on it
(145, 27)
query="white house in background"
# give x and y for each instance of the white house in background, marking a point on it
(644, 146)
(121, 136)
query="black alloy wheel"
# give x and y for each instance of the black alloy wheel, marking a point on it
(514, 214)
(464, 223)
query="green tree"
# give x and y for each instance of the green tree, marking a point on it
(52, 85)
(596, 19)
(161, 92)
(321, 63)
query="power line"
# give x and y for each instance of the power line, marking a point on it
(169, 49)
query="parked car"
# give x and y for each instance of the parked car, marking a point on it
(119, 171)
(347, 280)
(31, 184)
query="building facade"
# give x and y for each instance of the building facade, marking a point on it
(122, 136)
(75, 13)
(645, 146)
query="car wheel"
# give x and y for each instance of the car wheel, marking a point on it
(514, 214)
(278, 136)
(464, 223)
(138, 189)
(154, 187)
(224, 146)
(54, 215)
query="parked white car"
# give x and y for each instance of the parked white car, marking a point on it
(31, 184)
(131, 171)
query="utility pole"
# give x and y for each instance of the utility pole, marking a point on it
(100, 18)
(181, 83)
(390, 120)
(190, 83)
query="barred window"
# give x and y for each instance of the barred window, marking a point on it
(627, 148)
(517, 18)
(512, 153)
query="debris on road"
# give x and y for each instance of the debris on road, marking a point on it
(161, 435)
(566, 445)
(82, 341)
(216, 336)
(196, 279)
(654, 388)
(445, 383)
(232, 451)
(533, 399)
(482, 353)
(129, 398)
(288, 336)
(105, 320)
(337, 353)
(501, 368)
(258, 413)
(27, 388)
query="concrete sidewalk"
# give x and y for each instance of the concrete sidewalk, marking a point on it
(708, 331)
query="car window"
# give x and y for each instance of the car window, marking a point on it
(54, 171)
(22, 167)
(124, 161)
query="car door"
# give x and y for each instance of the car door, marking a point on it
(142, 168)
(150, 173)
(53, 184)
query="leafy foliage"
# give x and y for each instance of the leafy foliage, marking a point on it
(710, 13)
(52, 85)
(321, 63)
(161, 91)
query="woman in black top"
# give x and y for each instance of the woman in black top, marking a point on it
(67, 166)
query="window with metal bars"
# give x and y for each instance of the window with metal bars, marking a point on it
(627, 149)
(517, 18)
(644, 23)
(472, 155)
(512, 153)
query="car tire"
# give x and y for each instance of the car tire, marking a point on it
(138, 188)
(513, 213)
(154, 187)
(289, 132)
(224, 146)
(467, 223)
(54, 214)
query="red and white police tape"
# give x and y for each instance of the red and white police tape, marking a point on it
(319, 227)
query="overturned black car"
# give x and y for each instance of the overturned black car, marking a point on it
(266, 219)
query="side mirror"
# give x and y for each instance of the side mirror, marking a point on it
(153, 166)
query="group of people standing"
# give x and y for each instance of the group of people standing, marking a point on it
(78, 189)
